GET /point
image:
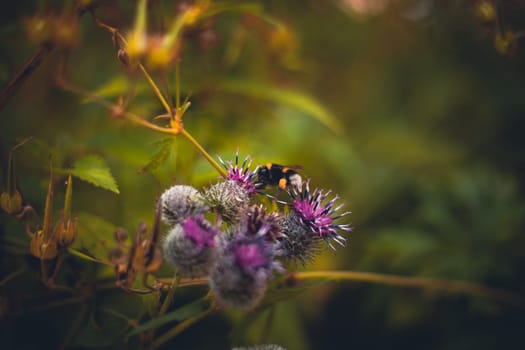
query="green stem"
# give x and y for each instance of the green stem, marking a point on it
(450, 286)
(177, 85)
(205, 154)
(68, 199)
(167, 301)
(140, 20)
(182, 327)
(156, 90)
(48, 209)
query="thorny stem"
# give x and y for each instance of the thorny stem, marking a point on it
(179, 328)
(441, 285)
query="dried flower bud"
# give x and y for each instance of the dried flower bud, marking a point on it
(42, 247)
(11, 203)
(39, 29)
(505, 43)
(66, 232)
(65, 32)
(485, 11)
(123, 57)
(121, 235)
(181, 202)
(191, 248)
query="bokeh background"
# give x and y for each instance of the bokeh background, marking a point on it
(412, 111)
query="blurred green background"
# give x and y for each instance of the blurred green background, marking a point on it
(406, 109)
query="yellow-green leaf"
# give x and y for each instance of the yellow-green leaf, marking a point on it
(94, 170)
(283, 96)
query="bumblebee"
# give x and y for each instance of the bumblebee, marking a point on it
(278, 175)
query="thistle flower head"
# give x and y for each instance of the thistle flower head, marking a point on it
(191, 248)
(239, 279)
(253, 255)
(200, 232)
(242, 174)
(258, 222)
(229, 199)
(299, 244)
(180, 202)
(317, 212)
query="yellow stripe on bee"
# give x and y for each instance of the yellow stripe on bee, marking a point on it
(269, 166)
(282, 183)
(285, 169)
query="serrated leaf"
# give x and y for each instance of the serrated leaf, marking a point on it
(160, 156)
(287, 97)
(180, 314)
(94, 170)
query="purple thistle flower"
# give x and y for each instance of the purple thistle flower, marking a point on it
(200, 232)
(239, 279)
(318, 214)
(242, 175)
(191, 248)
(299, 244)
(257, 222)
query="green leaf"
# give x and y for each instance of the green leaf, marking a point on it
(95, 235)
(287, 97)
(180, 314)
(94, 170)
(116, 87)
(166, 145)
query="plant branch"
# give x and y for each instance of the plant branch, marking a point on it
(203, 152)
(182, 327)
(439, 285)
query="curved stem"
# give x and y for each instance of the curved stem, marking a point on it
(205, 154)
(182, 327)
(441, 285)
